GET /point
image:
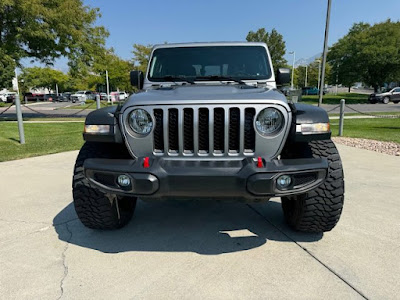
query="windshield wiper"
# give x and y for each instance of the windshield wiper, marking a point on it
(220, 78)
(170, 78)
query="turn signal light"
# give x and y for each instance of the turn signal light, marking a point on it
(313, 128)
(97, 129)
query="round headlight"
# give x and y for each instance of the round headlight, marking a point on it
(269, 121)
(140, 121)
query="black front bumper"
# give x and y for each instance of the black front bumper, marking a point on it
(227, 179)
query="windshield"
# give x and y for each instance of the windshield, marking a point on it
(236, 62)
(80, 92)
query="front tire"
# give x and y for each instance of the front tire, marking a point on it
(386, 100)
(318, 210)
(95, 209)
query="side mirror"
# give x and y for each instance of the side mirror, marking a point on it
(137, 79)
(283, 76)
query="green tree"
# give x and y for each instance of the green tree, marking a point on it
(118, 71)
(343, 57)
(37, 78)
(275, 42)
(141, 56)
(45, 30)
(367, 53)
(312, 74)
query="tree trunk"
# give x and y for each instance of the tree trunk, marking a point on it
(349, 89)
(375, 88)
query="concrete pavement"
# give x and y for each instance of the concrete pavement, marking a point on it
(197, 250)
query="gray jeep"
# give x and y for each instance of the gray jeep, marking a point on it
(209, 123)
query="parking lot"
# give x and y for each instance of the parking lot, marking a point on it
(197, 250)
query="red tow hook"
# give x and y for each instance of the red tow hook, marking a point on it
(146, 163)
(260, 162)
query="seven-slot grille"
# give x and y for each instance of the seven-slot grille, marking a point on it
(204, 131)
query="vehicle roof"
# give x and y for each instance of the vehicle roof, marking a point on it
(205, 44)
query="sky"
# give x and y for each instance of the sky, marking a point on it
(301, 22)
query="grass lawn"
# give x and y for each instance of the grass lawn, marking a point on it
(40, 139)
(392, 113)
(351, 98)
(43, 119)
(376, 129)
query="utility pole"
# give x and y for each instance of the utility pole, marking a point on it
(325, 52)
(319, 72)
(108, 88)
(19, 113)
(57, 89)
(294, 57)
(305, 83)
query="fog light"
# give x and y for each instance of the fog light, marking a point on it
(283, 181)
(124, 180)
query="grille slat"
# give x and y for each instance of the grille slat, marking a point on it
(159, 130)
(188, 130)
(180, 130)
(203, 130)
(214, 131)
(234, 129)
(249, 133)
(173, 130)
(219, 130)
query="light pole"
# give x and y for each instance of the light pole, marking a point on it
(19, 112)
(108, 88)
(319, 72)
(325, 52)
(294, 57)
(305, 82)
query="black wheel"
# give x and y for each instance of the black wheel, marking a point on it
(94, 208)
(386, 100)
(319, 209)
(395, 102)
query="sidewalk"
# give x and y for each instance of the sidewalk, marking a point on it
(197, 250)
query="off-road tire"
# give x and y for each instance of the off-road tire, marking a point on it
(319, 209)
(94, 208)
(386, 100)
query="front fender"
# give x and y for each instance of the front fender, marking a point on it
(104, 116)
(308, 114)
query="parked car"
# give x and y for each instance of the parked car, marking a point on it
(10, 97)
(308, 90)
(66, 96)
(51, 97)
(33, 97)
(3, 97)
(392, 95)
(123, 96)
(82, 96)
(103, 96)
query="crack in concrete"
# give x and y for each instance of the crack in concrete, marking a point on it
(309, 253)
(63, 256)
(22, 221)
(4, 241)
(36, 222)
